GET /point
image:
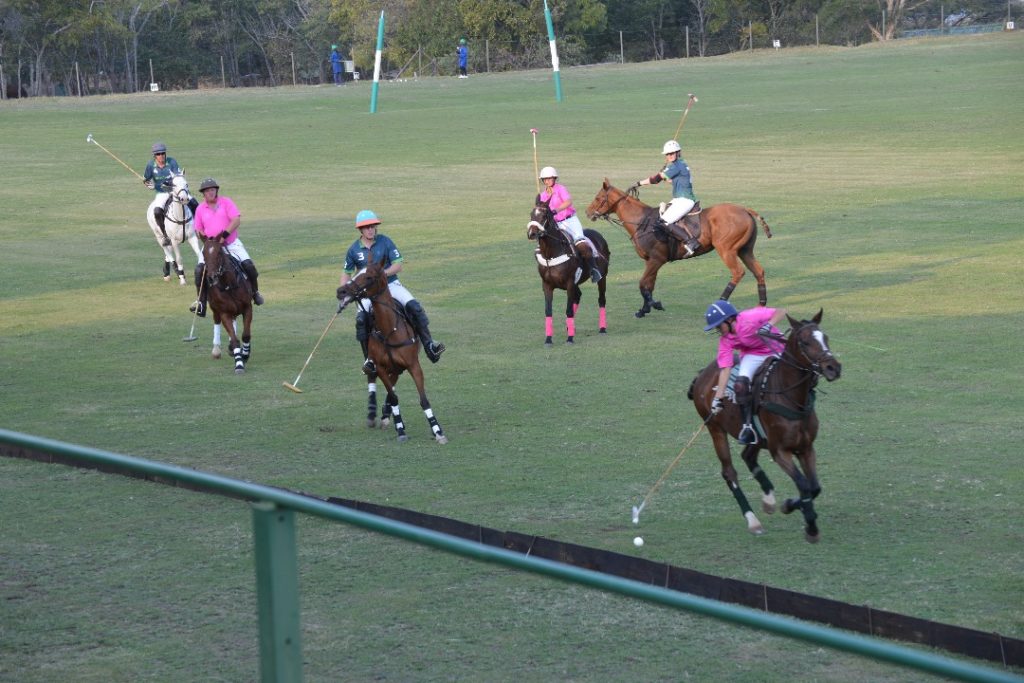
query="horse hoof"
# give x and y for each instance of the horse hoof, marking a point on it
(756, 530)
(403, 437)
(812, 538)
(167, 278)
(239, 371)
(215, 354)
(639, 314)
(371, 423)
(768, 503)
(657, 306)
(441, 438)
(385, 423)
(549, 344)
(603, 330)
(570, 341)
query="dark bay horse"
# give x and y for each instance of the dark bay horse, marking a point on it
(230, 295)
(729, 228)
(784, 392)
(393, 347)
(561, 267)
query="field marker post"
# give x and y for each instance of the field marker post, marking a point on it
(376, 63)
(277, 593)
(554, 52)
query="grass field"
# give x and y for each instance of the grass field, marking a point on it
(893, 178)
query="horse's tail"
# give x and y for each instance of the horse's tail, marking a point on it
(757, 216)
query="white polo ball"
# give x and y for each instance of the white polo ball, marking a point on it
(638, 541)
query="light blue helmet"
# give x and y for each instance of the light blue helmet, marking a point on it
(718, 313)
(366, 218)
(159, 148)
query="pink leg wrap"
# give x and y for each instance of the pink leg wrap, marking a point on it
(570, 325)
(602, 321)
(548, 327)
(575, 309)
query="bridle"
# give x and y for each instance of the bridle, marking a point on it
(607, 214)
(360, 294)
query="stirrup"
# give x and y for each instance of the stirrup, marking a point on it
(747, 435)
(369, 368)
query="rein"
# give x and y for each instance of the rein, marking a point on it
(809, 374)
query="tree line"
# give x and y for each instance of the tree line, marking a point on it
(69, 47)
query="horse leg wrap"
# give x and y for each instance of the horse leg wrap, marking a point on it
(548, 329)
(246, 350)
(434, 426)
(737, 493)
(371, 405)
(570, 328)
(762, 479)
(602, 320)
(762, 294)
(167, 269)
(727, 292)
(399, 425)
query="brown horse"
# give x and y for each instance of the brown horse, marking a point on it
(729, 228)
(561, 267)
(230, 295)
(784, 392)
(394, 347)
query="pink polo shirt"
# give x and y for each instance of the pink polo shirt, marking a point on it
(745, 339)
(558, 196)
(211, 221)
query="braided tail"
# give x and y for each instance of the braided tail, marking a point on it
(756, 215)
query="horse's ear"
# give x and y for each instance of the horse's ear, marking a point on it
(537, 200)
(607, 183)
(793, 322)
(817, 319)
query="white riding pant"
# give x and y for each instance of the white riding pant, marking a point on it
(676, 209)
(573, 226)
(750, 363)
(398, 292)
(236, 249)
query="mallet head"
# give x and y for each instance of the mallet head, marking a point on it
(89, 138)
(636, 515)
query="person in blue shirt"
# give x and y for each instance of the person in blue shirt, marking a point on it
(683, 199)
(337, 64)
(374, 247)
(463, 52)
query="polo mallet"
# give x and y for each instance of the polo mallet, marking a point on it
(536, 169)
(91, 139)
(192, 333)
(637, 509)
(689, 103)
(293, 386)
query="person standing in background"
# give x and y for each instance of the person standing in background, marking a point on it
(463, 52)
(337, 66)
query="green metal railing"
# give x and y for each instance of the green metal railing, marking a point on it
(277, 568)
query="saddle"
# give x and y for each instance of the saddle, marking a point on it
(760, 399)
(686, 227)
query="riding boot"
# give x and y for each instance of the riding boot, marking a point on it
(595, 274)
(193, 205)
(159, 216)
(747, 435)
(418, 317)
(199, 307)
(250, 272)
(691, 243)
(363, 335)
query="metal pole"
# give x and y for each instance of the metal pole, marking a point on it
(817, 41)
(622, 54)
(293, 69)
(687, 41)
(223, 82)
(78, 80)
(151, 80)
(554, 52)
(277, 593)
(487, 54)
(750, 32)
(376, 63)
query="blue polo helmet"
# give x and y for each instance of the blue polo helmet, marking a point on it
(718, 313)
(366, 218)
(159, 148)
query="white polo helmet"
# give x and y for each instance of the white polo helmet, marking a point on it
(548, 172)
(671, 146)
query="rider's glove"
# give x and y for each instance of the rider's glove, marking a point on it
(765, 330)
(716, 406)
(149, 184)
